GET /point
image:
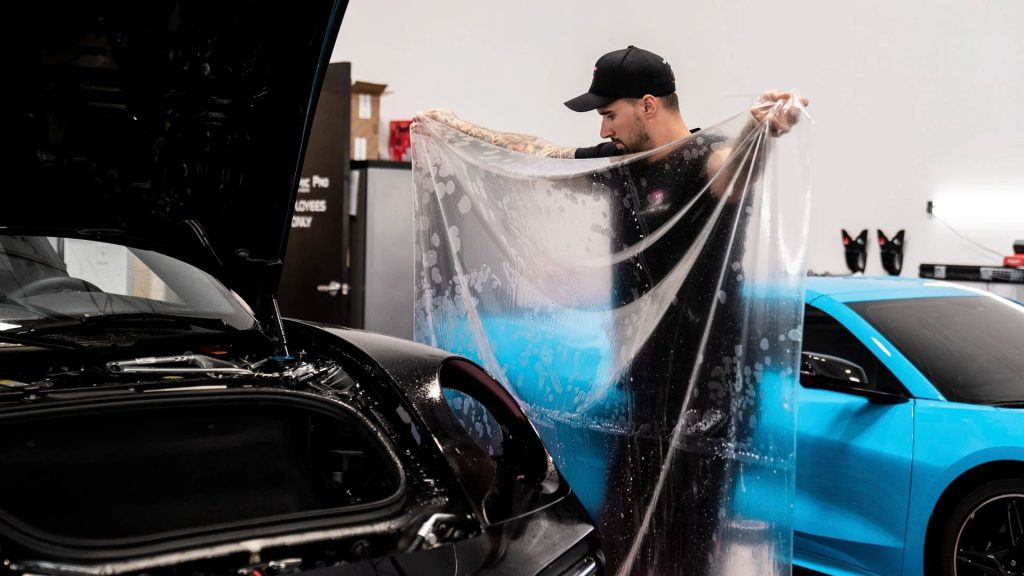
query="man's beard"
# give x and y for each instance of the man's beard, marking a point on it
(641, 143)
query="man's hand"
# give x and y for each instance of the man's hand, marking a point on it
(783, 120)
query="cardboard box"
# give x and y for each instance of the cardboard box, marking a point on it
(366, 120)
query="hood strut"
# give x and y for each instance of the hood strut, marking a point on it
(266, 308)
(277, 326)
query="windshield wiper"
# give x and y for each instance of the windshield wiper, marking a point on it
(32, 308)
(17, 338)
(140, 319)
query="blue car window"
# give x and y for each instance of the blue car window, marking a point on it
(969, 347)
(825, 335)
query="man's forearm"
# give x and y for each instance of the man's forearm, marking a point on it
(729, 175)
(517, 142)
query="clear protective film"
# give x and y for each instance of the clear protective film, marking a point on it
(646, 311)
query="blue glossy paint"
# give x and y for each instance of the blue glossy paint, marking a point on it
(863, 288)
(959, 438)
(850, 452)
(869, 476)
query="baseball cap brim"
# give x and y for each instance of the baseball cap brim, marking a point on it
(587, 102)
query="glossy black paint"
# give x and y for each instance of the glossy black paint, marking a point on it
(497, 493)
(501, 520)
(528, 528)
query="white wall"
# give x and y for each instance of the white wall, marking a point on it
(913, 99)
(105, 265)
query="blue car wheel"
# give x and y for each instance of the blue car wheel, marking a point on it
(985, 532)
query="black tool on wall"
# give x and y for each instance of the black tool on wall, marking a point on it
(891, 251)
(856, 250)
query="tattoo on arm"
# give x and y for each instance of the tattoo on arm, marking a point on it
(516, 142)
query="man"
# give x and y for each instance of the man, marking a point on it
(634, 91)
(691, 197)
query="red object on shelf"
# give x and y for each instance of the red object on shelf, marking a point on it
(1015, 261)
(398, 141)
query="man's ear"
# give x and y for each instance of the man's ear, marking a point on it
(650, 105)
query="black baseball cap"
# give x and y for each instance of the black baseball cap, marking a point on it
(628, 73)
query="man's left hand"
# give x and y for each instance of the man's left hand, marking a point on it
(783, 121)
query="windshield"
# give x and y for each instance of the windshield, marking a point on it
(969, 347)
(46, 281)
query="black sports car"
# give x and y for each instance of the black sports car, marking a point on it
(157, 415)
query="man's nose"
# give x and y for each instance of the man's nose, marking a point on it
(606, 131)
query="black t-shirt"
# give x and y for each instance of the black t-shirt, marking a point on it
(660, 213)
(605, 150)
(651, 193)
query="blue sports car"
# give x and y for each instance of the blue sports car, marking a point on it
(910, 454)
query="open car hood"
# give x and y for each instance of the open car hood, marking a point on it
(172, 125)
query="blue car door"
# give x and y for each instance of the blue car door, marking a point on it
(853, 460)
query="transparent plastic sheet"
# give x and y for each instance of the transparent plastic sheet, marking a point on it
(646, 312)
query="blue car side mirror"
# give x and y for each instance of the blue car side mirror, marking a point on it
(826, 372)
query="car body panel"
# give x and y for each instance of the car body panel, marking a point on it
(860, 453)
(419, 371)
(858, 289)
(961, 438)
(844, 527)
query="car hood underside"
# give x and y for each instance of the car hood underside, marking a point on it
(168, 125)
